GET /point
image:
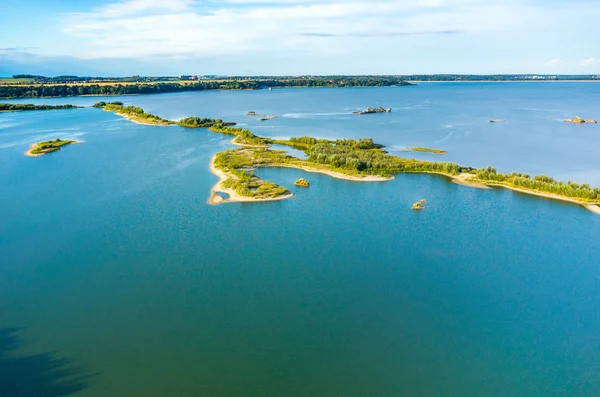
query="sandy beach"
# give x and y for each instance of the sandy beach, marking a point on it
(463, 179)
(589, 206)
(334, 174)
(137, 121)
(33, 146)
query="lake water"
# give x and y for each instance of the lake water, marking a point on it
(112, 260)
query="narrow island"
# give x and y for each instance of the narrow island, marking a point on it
(302, 183)
(21, 107)
(42, 148)
(139, 116)
(579, 120)
(423, 149)
(370, 110)
(359, 160)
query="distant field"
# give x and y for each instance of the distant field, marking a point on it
(10, 80)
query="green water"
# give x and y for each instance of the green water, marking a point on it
(111, 258)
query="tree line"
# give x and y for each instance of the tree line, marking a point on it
(27, 106)
(64, 90)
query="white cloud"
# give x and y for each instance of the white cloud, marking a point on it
(141, 28)
(588, 62)
(552, 62)
(129, 7)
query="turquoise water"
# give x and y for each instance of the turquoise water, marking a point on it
(112, 259)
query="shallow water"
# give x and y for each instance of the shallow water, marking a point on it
(111, 256)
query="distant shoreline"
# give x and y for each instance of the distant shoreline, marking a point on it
(505, 81)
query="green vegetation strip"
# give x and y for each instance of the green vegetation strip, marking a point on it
(63, 86)
(424, 149)
(18, 107)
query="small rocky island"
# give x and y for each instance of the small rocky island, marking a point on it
(302, 183)
(419, 205)
(370, 110)
(41, 148)
(579, 120)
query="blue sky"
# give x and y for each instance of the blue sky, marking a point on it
(276, 37)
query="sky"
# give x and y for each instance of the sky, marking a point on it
(297, 37)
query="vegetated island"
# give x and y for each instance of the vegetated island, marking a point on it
(302, 183)
(360, 160)
(137, 115)
(21, 107)
(42, 148)
(423, 149)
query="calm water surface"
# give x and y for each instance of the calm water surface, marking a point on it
(111, 259)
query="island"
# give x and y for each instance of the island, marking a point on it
(139, 116)
(370, 110)
(42, 148)
(424, 149)
(359, 160)
(579, 120)
(302, 183)
(419, 205)
(21, 107)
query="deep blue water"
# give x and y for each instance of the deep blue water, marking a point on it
(111, 257)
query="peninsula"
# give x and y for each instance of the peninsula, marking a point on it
(356, 160)
(42, 148)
